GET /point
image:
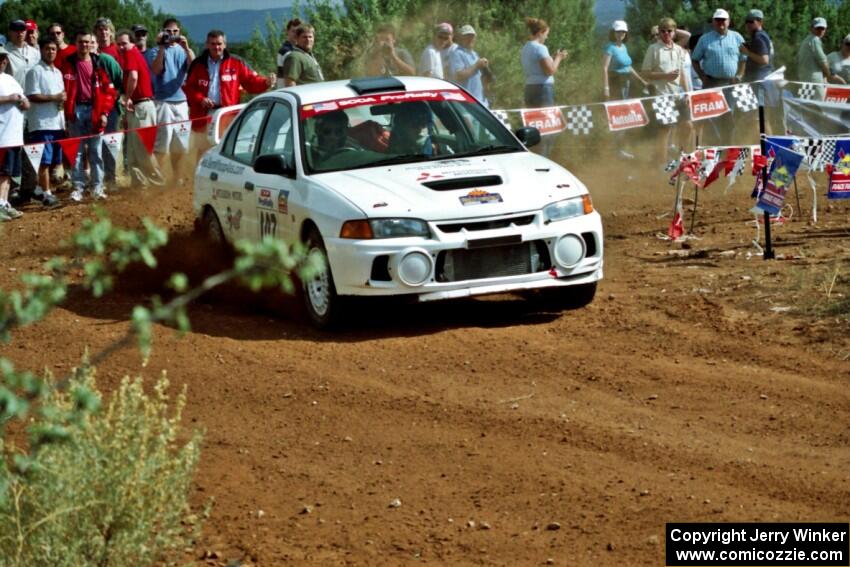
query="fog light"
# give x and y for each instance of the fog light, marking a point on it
(415, 268)
(569, 251)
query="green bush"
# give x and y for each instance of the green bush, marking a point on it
(113, 492)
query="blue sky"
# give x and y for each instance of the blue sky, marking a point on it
(185, 7)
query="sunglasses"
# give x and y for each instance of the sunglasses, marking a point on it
(751, 21)
(335, 131)
(59, 32)
(666, 31)
(719, 19)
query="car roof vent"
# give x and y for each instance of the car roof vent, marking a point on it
(369, 85)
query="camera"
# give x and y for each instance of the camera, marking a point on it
(166, 38)
(487, 73)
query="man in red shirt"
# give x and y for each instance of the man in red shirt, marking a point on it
(141, 111)
(57, 32)
(228, 73)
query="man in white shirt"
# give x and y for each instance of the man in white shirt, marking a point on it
(13, 103)
(46, 118)
(431, 62)
(22, 56)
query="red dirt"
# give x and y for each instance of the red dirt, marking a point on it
(685, 392)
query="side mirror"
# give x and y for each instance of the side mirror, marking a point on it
(274, 164)
(529, 136)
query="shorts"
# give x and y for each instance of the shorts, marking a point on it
(52, 150)
(173, 138)
(11, 165)
(540, 95)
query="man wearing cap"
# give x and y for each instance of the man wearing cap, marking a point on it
(465, 66)
(169, 61)
(758, 49)
(13, 103)
(431, 62)
(717, 57)
(812, 65)
(140, 37)
(839, 61)
(32, 33)
(22, 56)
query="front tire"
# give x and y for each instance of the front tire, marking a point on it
(211, 230)
(322, 305)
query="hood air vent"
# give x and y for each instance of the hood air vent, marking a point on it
(464, 183)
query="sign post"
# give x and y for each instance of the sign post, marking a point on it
(768, 245)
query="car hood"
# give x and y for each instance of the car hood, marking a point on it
(528, 182)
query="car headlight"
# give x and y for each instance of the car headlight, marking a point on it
(384, 228)
(568, 209)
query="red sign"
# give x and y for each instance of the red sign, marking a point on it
(707, 104)
(626, 114)
(837, 94)
(547, 120)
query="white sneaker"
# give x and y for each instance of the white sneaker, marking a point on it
(10, 211)
(99, 194)
(77, 195)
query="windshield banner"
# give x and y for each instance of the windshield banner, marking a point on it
(311, 110)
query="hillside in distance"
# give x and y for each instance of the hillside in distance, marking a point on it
(238, 25)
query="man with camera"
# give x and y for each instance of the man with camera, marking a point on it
(169, 61)
(385, 58)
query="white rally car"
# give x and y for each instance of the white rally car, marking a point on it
(406, 186)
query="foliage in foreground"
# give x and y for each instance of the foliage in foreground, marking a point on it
(84, 484)
(113, 492)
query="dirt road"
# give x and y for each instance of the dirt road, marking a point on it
(701, 385)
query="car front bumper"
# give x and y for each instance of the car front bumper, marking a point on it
(473, 257)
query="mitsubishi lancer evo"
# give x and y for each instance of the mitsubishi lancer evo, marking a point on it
(402, 186)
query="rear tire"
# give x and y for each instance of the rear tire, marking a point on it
(323, 307)
(211, 229)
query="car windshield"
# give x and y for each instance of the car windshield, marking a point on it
(399, 128)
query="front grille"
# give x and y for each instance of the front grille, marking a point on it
(498, 261)
(473, 226)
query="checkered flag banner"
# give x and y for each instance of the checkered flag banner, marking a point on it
(579, 120)
(745, 98)
(819, 152)
(809, 91)
(665, 109)
(503, 117)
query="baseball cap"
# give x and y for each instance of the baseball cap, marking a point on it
(2, 40)
(467, 30)
(18, 25)
(620, 25)
(137, 28)
(444, 27)
(31, 25)
(819, 23)
(3, 51)
(755, 15)
(847, 39)
(102, 22)
(721, 14)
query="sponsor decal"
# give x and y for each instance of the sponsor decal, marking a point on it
(425, 176)
(546, 120)
(265, 199)
(268, 224)
(310, 110)
(781, 175)
(283, 202)
(233, 218)
(837, 94)
(379, 205)
(226, 195)
(707, 104)
(221, 166)
(478, 197)
(839, 177)
(626, 114)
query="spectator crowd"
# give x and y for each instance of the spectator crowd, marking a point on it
(102, 81)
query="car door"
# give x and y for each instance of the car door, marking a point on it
(234, 192)
(274, 213)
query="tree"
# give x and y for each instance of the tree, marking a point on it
(81, 14)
